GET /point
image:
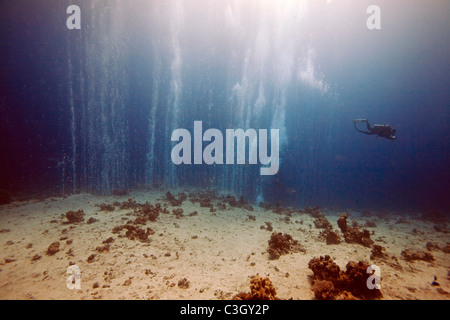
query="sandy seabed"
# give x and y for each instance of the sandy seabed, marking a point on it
(216, 252)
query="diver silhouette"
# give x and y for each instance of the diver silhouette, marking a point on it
(381, 130)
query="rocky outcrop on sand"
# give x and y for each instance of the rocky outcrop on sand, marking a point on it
(332, 283)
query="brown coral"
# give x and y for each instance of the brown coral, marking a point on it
(241, 203)
(183, 283)
(278, 209)
(103, 249)
(231, 201)
(53, 248)
(370, 224)
(280, 244)
(431, 246)
(178, 213)
(353, 234)
(324, 290)
(446, 249)
(268, 226)
(342, 222)
(74, 216)
(260, 289)
(378, 252)
(411, 255)
(173, 200)
(324, 268)
(134, 233)
(221, 205)
(330, 236)
(91, 220)
(331, 283)
(313, 211)
(106, 207)
(144, 212)
(130, 204)
(148, 211)
(205, 203)
(322, 223)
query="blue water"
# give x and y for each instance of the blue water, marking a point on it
(94, 109)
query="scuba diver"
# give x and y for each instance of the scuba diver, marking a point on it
(381, 130)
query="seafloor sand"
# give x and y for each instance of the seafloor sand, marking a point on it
(216, 252)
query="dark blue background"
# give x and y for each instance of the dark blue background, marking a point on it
(397, 75)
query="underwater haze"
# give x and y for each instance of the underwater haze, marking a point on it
(93, 109)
